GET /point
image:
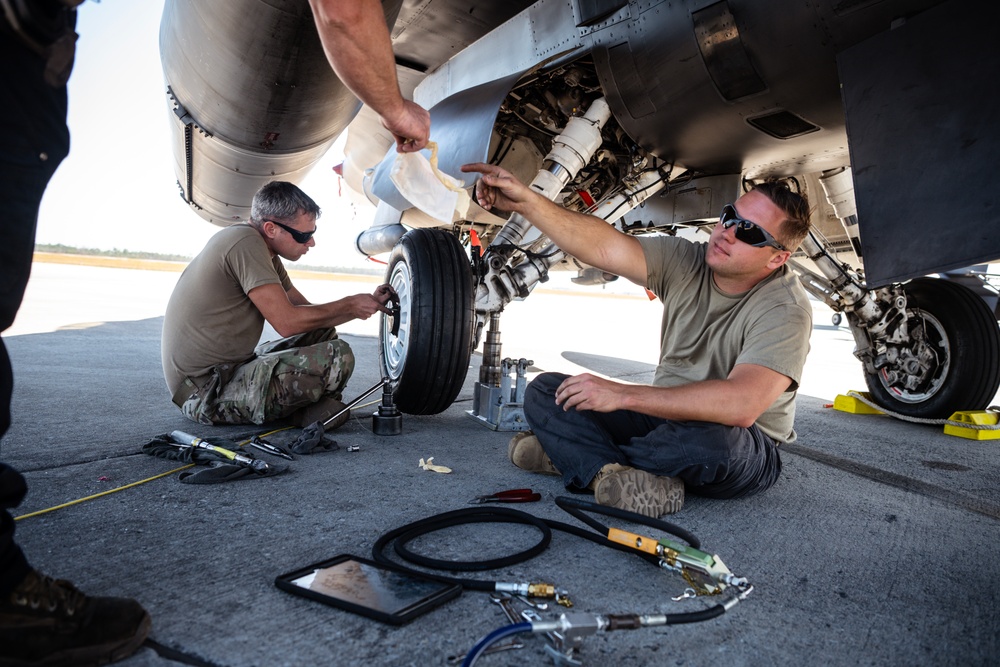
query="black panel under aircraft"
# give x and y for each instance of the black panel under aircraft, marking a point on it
(682, 83)
(724, 54)
(925, 143)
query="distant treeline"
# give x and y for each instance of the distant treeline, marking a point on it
(132, 254)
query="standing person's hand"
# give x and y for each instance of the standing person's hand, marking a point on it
(411, 127)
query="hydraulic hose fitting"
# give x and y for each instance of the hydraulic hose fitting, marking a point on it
(535, 590)
(572, 626)
(526, 588)
(624, 622)
(541, 591)
(732, 580)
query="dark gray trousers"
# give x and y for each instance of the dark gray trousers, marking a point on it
(33, 142)
(714, 460)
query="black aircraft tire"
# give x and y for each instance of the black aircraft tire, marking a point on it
(428, 358)
(972, 340)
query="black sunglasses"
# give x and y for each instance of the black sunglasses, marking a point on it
(746, 231)
(300, 237)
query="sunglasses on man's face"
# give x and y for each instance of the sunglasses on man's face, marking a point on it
(300, 237)
(746, 231)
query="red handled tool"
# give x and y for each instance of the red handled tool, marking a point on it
(511, 496)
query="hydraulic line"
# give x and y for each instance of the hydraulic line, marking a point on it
(571, 627)
(493, 638)
(400, 537)
(574, 505)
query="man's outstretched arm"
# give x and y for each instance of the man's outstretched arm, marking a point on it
(589, 239)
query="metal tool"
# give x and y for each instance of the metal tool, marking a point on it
(263, 445)
(509, 496)
(387, 421)
(394, 318)
(505, 602)
(188, 440)
(562, 648)
(368, 392)
(540, 606)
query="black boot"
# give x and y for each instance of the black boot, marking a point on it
(49, 622)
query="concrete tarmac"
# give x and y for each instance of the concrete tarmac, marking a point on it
(876, 547)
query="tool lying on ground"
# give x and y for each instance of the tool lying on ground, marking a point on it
(216, 459)
(387, 421)
(263, 445)
(510, 496)
(188, 440)
(705, 574)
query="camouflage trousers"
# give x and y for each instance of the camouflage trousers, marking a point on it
(282, 377)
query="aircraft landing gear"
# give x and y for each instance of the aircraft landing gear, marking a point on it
(424, 350)
(949, 358)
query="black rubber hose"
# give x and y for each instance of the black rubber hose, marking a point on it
(696, 616)
(464, 516)
(400, 537)
(571, 505)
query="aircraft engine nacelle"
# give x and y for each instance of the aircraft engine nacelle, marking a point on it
(253, 99)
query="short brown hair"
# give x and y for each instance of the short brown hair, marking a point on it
(795, 206)
(282, 201)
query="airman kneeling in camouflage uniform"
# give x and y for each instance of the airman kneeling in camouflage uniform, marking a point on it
(214, 368)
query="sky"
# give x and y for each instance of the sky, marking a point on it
(117, 189)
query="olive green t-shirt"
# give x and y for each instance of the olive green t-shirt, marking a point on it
(705, 332)
(210, 320)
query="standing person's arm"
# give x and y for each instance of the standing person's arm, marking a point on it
(357, 44)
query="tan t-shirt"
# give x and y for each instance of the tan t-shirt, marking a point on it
(705, 332)
(210, 320)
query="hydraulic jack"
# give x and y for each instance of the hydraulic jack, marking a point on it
(494, 402)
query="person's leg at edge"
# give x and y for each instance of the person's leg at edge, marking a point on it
(42, 620)
(23, 179)
(13, 565)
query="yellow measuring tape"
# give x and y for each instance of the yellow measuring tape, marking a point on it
(127, 486)
(102, 493)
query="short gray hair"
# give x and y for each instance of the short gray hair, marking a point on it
(281, 201)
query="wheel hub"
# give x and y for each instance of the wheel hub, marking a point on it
(916, 370)
(396, 331)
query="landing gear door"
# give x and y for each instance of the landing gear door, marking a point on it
(925, 144)
(461, 125)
